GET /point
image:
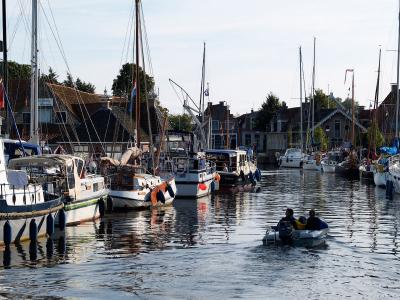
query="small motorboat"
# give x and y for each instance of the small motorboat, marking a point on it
(310, 238)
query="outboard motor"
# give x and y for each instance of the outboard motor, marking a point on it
(286, 232)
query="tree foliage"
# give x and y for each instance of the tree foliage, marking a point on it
(51, 77)
(180, 122)
(321, 138)
(18, 71)
(268, 109)
(123, 84)
(322, 100)
(375, 136)
(79, 84)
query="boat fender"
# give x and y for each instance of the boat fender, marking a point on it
(109, 204)
(258, 174)
(217, 177)
(153, 196)
(102, 207)
(7, 233)
(242, 176)
(33, 230)
(160, 196)
(170, 191)
(62, 219)
(212, 186)
(50, 225)
(33, 247)
(49, 248)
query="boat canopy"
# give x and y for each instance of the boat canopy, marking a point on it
(231, 153)
(48, 160)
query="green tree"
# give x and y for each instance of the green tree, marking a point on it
(321, 138)
(268, 109)
(122, 85)
(84, 86)
(69, 81)
(18, 71)
(347, 103)
(51, 77)
(374, 136)
(322, 100)
(180, 122)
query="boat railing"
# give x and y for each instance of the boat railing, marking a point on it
(31, 193)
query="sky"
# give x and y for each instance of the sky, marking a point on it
(252, 46)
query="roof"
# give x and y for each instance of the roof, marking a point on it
(344, 114)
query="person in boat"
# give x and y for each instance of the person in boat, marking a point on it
(224, 168)
(289, 217)
(315, 223)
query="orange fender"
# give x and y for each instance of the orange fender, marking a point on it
(153, 196)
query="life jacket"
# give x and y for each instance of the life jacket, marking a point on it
(285, 231)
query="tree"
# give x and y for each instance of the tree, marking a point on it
(122, 85)
(268, 109)
(79, 84)
(348, 105)
(180, 122)
(321, 138)
(374, 136)
(18, 71)
(52, 77)
(322, 100)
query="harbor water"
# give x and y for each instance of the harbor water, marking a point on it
(212, 248)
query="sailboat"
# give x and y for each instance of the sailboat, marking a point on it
(394, 161)
(132, 185)
(27, 210)
(84, 194)
(349, 167)
(368, 168)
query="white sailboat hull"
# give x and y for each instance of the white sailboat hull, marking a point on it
(380, 178)
(194, 185)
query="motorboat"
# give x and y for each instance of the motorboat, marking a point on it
(293, 158)
(312, 162)
(84, 194)
(394, 172)
(330, 162)
(27, 210)
(195, 176)
(132, 187)
(299, 237)
(235, 167)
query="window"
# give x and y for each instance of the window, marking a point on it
(26, 118)
(61, 117)
(337, 129)
(215, 125)
(84, 148)
(45, 115)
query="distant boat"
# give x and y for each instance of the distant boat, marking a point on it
(313, 162)
(293, 158)
(330, 162)
(349, 168)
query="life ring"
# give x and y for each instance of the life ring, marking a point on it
(161, 196)
(170, 191)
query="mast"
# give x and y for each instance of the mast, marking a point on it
(301, 101)
(5, 61)
(376, 103)
(352, 112)
(202, 85)
(34, 128)
(313, 94)
(137, 102)
(398, 79)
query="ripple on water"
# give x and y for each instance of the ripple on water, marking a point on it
(211, 247)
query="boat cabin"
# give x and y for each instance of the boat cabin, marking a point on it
(228, 160)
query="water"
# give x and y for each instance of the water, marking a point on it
(212, 248)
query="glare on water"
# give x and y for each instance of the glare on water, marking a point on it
(212, 247)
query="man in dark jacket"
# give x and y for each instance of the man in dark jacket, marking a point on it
(288, 218)
(313, 222)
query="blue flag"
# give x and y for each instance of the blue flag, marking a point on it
(133, 97)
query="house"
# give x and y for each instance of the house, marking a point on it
(248, 134)
(386, 115)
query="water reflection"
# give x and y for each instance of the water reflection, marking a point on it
(212, 247)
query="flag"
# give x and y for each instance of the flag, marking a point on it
(133, 96)
(207, 93)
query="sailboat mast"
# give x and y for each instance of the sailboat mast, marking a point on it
(5, 60)
(313, 94)
(301, 101)
(34, 128)
(352, 112)
(398, 79)
(137, 102)
(203, 74)
(376, 103)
